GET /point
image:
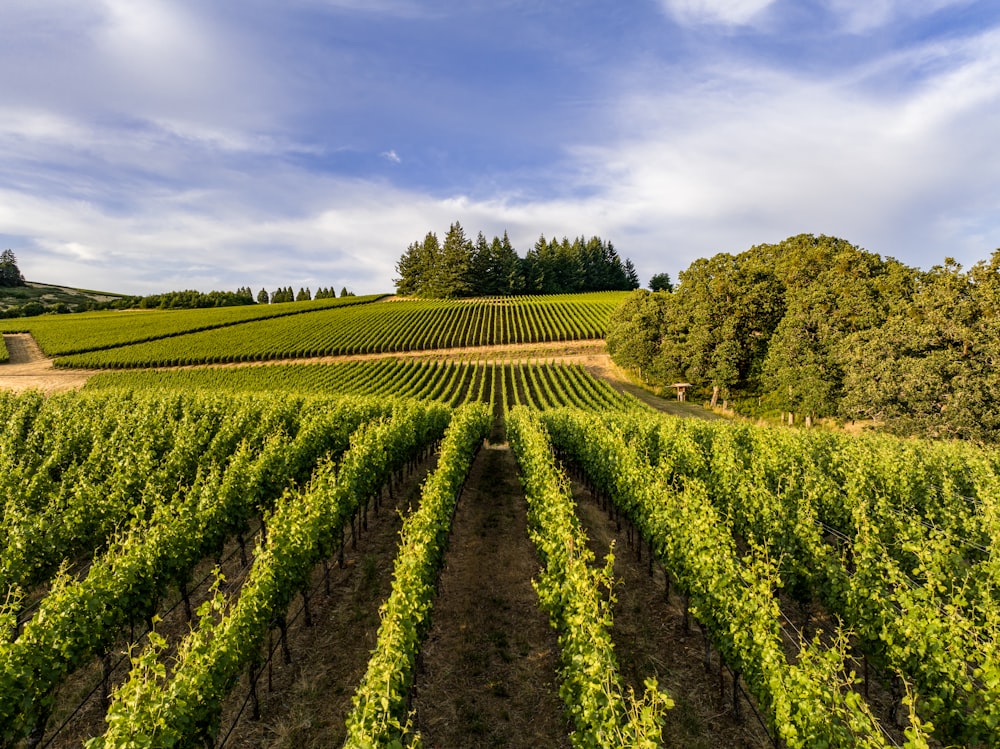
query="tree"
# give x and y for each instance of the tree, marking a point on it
(10, 275)
(418, 267)
(635, 331)
(262, 297)
(506, 266)
(452, 278)
(631, 276)
(304, 295)
(661, 282)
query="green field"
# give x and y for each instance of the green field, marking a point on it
(58, 335)
(541, 386)
(386, 327)
(838, 590)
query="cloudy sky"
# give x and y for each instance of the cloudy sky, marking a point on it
(148, 145)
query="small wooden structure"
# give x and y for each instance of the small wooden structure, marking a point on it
(681, 388)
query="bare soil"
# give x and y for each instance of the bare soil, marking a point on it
(29, 369)
(487, 675)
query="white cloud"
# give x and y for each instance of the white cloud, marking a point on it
(862, 16)
(725, 12)
(757, 155)
(391, 156)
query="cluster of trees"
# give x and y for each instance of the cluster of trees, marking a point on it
(461, 267)
(817, 327)
(285, 294)
(190, 299)
(10, 275)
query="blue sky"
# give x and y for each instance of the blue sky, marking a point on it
(148, 145)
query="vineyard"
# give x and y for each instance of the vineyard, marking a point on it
(194, 557)
(60, 335)
(502, 386)
(371, 328)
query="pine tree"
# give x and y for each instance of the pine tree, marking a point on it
(482, 277)
(10, 275)
(262, 297)
(508, 268)
(453, 276)
(418, 267)
(631, 275)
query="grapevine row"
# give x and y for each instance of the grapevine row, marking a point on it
(80, 617)
(539, 385)
(809, 702)
(570, 590)
(62, 335)
(846, 530)
(379, 715)
(153, 709)
(372, 328)
(96, 475)
(920, 598)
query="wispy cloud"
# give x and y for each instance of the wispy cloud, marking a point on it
(727, 12)
(861, 17)
(177, 147)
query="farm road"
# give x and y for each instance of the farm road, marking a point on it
(30, 369)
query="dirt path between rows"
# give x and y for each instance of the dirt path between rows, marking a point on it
(487, 675)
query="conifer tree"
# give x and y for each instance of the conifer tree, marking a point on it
(453, 276)
(10, 275)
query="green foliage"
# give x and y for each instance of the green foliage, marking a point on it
(461, 268)
(378, 717)
(661, 282)
(68, 334)
(150, 709)
(929, 368)
(196, 299)
(572, 591)
(634, 333)
(691, 489)
(452, 383)
(10, 274)
(216, 487)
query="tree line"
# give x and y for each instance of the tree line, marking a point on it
(10, 277)
(817, 327)
(461, 267)
(285, 294)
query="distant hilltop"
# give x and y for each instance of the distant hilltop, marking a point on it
(37, 298)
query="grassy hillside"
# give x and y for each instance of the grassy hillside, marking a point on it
(44, 297)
